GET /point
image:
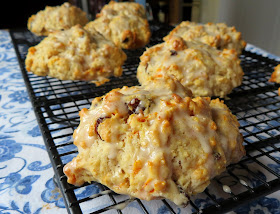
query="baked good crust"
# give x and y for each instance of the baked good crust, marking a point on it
(76, 54)
(124, 23)
(136, 141)
(203, 69)
(122, 8)
(56, 18)
(275, 76)
(217, 35)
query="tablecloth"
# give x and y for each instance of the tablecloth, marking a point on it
(26, 174)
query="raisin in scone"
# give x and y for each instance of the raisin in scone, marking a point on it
(56, 18)
(76, 54)
(154, 141)
(124, 23)
(205, 70)
(217, 35)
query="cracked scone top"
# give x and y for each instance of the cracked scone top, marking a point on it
(205, 70)
(124, 23)
(76, 54)
(217, 35)
(154, 141)
(56, 18)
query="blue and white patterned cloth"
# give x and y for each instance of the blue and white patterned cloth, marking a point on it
(26, 184)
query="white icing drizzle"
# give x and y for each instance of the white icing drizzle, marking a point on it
(243, 182)
(203, 139)
(226, 189)
(101, 193)
(113, 151)
(132, 101)
(122, 205)
(72, 51)
(154, 152)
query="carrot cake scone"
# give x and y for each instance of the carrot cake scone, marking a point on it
(154, 141)
(217, 35)
(275, 76)
(205, 70)
(56, 18)
(124, 23)
(76, 54)
(122, 8)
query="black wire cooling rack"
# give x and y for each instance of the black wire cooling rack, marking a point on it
(256, 104)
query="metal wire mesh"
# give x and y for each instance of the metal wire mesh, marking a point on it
(255, 103)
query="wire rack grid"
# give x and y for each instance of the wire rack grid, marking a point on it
(256, 104)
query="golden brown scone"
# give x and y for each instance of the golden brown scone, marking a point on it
(122, 8)
(124, 23)
(217, 35)
(154, 141)
(76, 54)
(205, 70)
(275, 76)
(56, 18)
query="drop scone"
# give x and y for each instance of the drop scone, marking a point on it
(217, 35)
(76, 54)
(56, 18)
(154, 141)
(122, 8)
(205, 70)
(124, 23)
(275, 76)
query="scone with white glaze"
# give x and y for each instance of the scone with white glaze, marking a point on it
(275, 76)
(205, 70)
(154, 141)
(217, 35)
(56, 18)
(76, 54)
(122, 8)
(124, 23)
